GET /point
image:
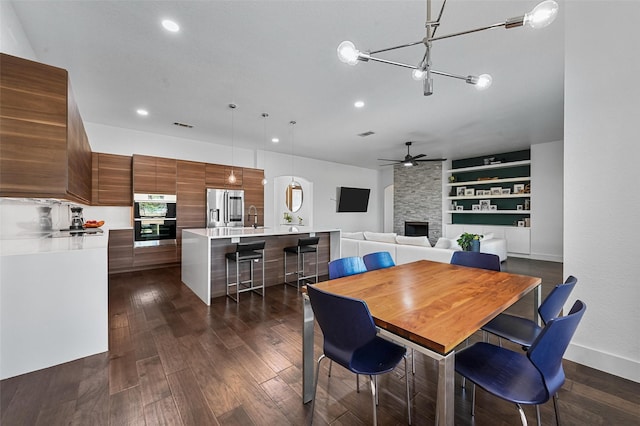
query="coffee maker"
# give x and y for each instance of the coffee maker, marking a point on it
(45, 222)
(77, 222)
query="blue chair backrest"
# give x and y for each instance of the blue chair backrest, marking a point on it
(378, 260)
(553, 303)
(346, 266)
(346, 324)
(475, 259)
(547, 350)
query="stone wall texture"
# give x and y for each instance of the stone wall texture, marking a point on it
(417, 196)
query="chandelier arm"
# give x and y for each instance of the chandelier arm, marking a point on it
(447, 74)
(386, 61)
(488, 27)
(397, 47)
(437, 22)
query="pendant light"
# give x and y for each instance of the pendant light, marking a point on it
(232, 177)
(293, 182)
(264, 144)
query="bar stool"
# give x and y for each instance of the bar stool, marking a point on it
(245, 252)
(305, 245)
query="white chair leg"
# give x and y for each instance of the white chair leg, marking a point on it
(315, 388)
(373, 399)
(538, 415)
(555, 408)
(523, 418)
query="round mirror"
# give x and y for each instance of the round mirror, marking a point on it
(293, 196)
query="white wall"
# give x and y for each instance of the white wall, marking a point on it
(12, 37)
(601, 152)
(326, 177)
(546, 201)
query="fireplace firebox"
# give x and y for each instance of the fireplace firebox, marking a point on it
(416, 229)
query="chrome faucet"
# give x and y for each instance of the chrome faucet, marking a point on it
(255, 215)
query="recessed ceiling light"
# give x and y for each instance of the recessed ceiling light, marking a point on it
(275, 140)
(170, 25)
(358, 104)
(142, 112)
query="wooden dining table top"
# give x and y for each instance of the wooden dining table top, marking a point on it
(436, 305)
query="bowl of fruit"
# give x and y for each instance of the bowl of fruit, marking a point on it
(93, 223)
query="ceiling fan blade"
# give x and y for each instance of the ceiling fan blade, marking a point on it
(433, 159)
(386, 159)
(419, 156)
(389, 164)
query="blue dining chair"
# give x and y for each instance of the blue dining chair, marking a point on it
(523, 379)
(346, 266)
(476, 259)
(378, 260)
(524, 331)
(351, 340)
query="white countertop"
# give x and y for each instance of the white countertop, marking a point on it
(219, 233)
(20, 246)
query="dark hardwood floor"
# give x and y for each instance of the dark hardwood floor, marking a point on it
(175, 361)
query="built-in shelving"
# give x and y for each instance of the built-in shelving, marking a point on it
(490, 211)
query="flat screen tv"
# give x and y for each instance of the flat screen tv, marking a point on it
(353, 199)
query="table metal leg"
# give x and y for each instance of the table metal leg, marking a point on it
(445, 406)
(307, 350)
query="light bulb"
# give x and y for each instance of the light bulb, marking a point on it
(264, 180)
(348, 53)
(484, 82)
(418, 74)
(232, 177)
(542, 15)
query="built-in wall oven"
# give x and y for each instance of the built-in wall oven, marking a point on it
(154, 219)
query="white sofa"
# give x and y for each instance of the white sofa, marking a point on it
(409, 249)
(402, 249)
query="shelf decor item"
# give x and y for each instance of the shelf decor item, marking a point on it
(518, 188)
(469, 242)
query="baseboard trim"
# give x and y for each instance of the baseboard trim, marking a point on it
(609, 363)
(538, 256)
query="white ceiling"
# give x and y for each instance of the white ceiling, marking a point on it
(280, 57)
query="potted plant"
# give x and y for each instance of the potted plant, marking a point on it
(287, 217)
(469, 242)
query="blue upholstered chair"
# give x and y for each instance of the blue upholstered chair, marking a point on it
(524, 379)
(351, 340)
(378, 260)
(524, 331)
(475, 259)
(346, 266)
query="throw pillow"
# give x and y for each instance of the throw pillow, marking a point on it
(413, 241)
(353, 235)
(443, 243)
(383, 237)
(488, 236)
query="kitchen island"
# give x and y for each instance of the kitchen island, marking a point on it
(203, 254)
(53, 301)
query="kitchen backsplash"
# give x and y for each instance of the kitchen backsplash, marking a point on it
(20, 217)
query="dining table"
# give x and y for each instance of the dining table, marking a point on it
(427, 306)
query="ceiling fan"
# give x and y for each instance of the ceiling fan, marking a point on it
(410, 160)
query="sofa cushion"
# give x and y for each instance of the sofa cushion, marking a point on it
(349, 247)
(383, 237)
(488, 236)
(353, 235)
(443, 243)
(407, 253)
(413, 241)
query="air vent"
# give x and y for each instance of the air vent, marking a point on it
(369, 133)
(188, 126)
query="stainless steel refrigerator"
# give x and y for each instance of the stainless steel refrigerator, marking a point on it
(225, 207)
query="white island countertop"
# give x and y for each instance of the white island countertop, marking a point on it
(219, 233)
(49, 244)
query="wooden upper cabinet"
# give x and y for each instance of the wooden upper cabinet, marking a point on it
(111, 180)
(154, 175)
(45, 152)
(253, 195)
(218, 176)
(191, 187)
